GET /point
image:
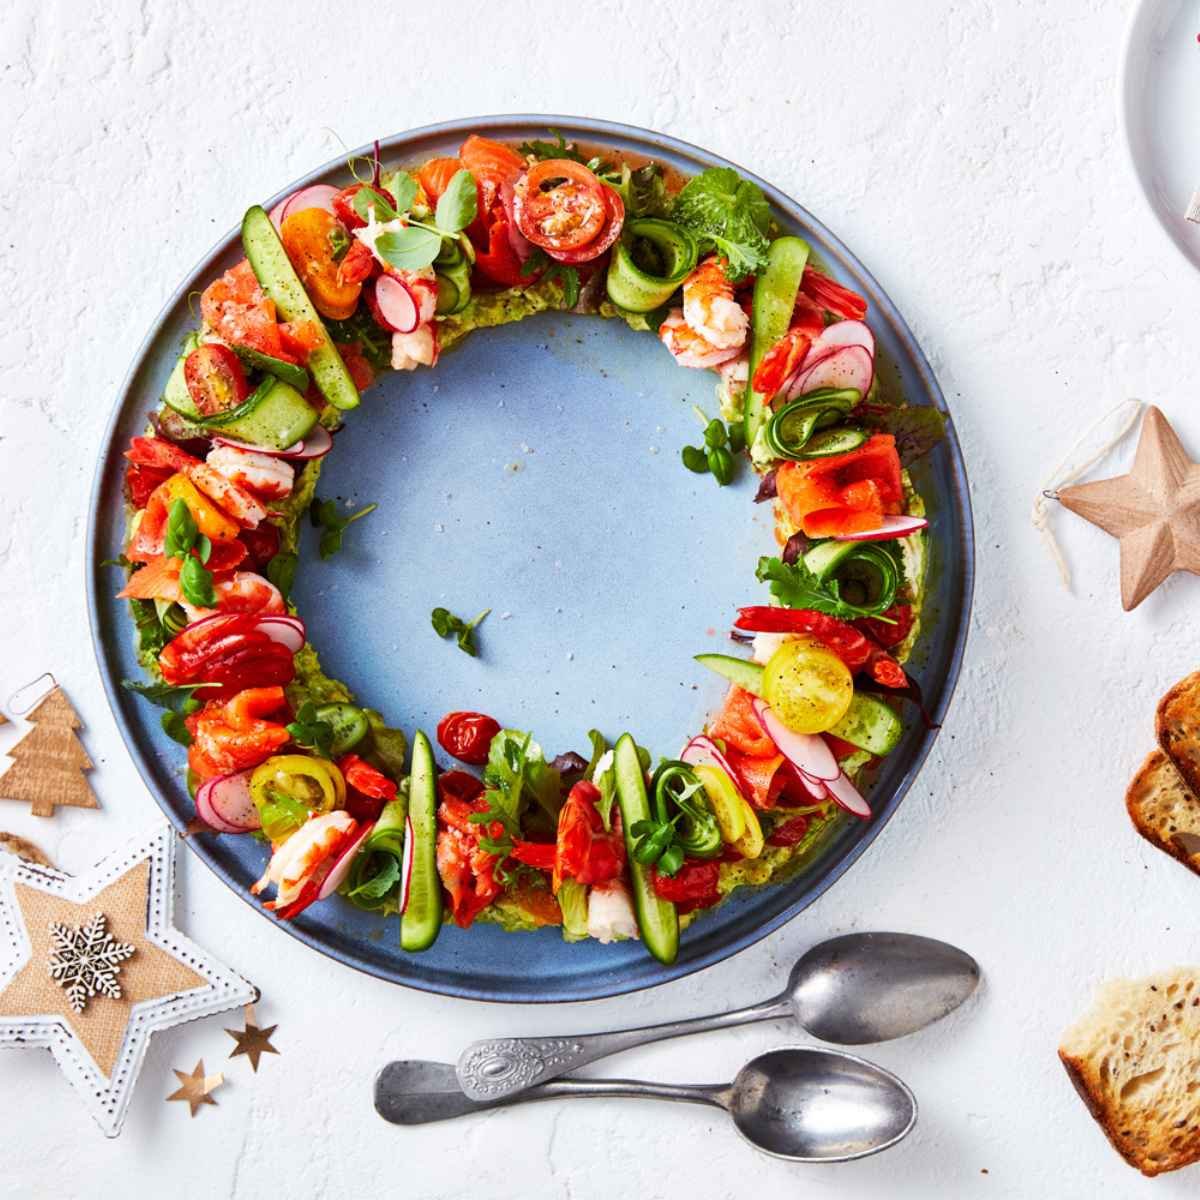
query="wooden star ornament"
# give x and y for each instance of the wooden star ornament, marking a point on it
(1154, 511)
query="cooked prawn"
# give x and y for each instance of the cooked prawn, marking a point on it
(263, 474)
(710, 308)
(235, 735)
(300, 855)
(690, 348)
(416, 349)
(235, 501)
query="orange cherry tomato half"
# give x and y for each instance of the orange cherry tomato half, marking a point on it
(307, 238)
(215, 379)
(560, 205)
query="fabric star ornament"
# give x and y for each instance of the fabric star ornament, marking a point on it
(1154, 511)
(165, 981)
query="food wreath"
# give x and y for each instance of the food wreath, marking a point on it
(387, 273)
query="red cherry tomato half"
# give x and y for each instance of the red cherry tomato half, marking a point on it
(467, 735)
(560, 205)
(215, 379)
(459, 785)
(609, 232)
(262, 544)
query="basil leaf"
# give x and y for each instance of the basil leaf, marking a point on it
(203, 548)
(408, 249)
(281, 571)
(197, 583)
(367, 198)
(181, 531)
(457, 206)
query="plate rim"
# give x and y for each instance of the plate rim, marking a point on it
(1126, 103)
(605, 985)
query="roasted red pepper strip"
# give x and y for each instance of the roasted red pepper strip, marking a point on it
(535, 854)
(498, 263)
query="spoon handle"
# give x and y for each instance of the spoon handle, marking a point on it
(497, 1067)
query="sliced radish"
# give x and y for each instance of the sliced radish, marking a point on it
(848, 796)
(406, 865)
(316, 445)
(847, 367)
(814, 787)
(843, 333)
(230, 799)
(287, 631)
(207, 812)
(892, 527)
(317, 195)
(809, 753)
(397, 305)
(341, 867)
(703, 751)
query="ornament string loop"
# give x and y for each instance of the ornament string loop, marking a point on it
(1068, 471)
(33, 683)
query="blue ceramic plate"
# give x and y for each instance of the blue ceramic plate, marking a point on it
(536, 471)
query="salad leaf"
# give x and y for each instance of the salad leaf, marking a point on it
(281, 571)
(310, 732)
(386, 748)
(572, 899)
(367, 198)
(729, 214)
(403, 187)
(167, 695)
(795, 586)
(374, 881)
(374, 342)
(646, 194)
(517, 772)
(458, 204)
(539, 148)
(150, 633)
(539, 260)
(917, 428)
(410, 249)
(175, 727)
(281, 814)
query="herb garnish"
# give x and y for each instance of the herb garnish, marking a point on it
(729, 214)
(183, 540)
(327, 517)
(310, 732)
(567, 276)
(721, 443)
(179, 701)
(795, 586)
(281, 571)
(446, 623)
(416, 245)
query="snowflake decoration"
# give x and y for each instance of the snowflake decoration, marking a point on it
(86, 960)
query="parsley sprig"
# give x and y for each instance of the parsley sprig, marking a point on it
(795, 586)
(446, 623)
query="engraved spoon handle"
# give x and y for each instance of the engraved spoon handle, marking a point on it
(497, 1067)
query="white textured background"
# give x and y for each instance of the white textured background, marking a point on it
(969, 153)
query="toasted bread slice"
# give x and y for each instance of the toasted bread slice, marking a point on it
(1164, 810)
(1135, 1060)
(1177, 726)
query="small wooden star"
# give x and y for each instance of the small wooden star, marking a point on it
(196, 1088)
(252, 1041)
(1154, 510)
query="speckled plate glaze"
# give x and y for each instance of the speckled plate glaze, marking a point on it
(536, 470)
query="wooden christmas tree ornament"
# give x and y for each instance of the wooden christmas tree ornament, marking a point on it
(49, 761)
(1154, 510)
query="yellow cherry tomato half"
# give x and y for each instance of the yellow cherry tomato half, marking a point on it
(807, 686)
(315, 783)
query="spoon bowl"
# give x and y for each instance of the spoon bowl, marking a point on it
(873, 987)
(809, 1104)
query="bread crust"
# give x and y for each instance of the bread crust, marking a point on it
(1177, 727)
(1078, 1074)
(1155, 778)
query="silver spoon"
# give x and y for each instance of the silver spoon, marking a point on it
(806, 1104)
(861, 987)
